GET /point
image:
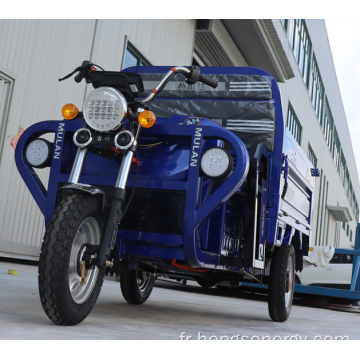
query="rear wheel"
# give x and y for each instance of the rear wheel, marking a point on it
(281, 282)
(76, 221)
(136, 286)
(207, 281)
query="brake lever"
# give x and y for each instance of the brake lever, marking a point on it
(84, 71)
(67, 76)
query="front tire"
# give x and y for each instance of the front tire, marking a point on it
(77, 220)
(281, 282)
(136, 286)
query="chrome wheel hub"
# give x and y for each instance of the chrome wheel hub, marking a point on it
(89, 232)
(289, 283)
(143, 281)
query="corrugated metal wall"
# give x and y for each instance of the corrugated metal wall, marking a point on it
(162, 42)
(36, 53)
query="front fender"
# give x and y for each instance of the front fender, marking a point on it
(90, 190)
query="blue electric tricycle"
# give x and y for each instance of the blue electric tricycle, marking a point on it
(176, 172)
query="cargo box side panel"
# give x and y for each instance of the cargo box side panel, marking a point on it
(297, 202)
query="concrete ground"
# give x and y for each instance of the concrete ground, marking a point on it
(171, 309)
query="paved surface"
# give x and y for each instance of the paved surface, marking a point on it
(171, 309)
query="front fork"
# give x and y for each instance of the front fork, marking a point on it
(117, 200)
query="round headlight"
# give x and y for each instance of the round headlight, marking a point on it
(216, 163)
(38, 153)
(104, 109)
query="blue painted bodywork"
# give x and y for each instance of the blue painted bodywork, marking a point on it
(167, 167)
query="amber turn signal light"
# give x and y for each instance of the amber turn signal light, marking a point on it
(69, 111)
(147, 119)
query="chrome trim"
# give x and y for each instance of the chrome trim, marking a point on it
(250, 125)
(124, 170)
(249, 86)
(78, 144)
(78, 165)
(164, 81)
(126, 146)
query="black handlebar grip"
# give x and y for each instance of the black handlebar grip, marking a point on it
(208, 81)
(79, 77)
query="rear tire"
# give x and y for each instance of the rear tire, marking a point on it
(281, 282)
(77, 220)
(136, 286)
(207, 281)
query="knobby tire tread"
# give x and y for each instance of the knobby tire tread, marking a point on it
(277, 281)
(53, 264)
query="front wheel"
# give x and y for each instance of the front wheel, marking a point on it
(136, 286)
(281, 282)
(66, 299)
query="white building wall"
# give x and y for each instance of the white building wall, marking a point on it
(162, 42)
(296, 91)
(35, 54)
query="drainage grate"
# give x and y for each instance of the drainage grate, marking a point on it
(157, 211)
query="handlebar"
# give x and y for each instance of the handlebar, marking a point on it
(84, 72)
(193, 75)
(164, 81)
(78, 78)
(208, 81)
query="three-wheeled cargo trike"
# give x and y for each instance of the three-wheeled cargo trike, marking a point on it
(181, 171)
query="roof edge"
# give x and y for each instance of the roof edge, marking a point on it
(274, 47)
